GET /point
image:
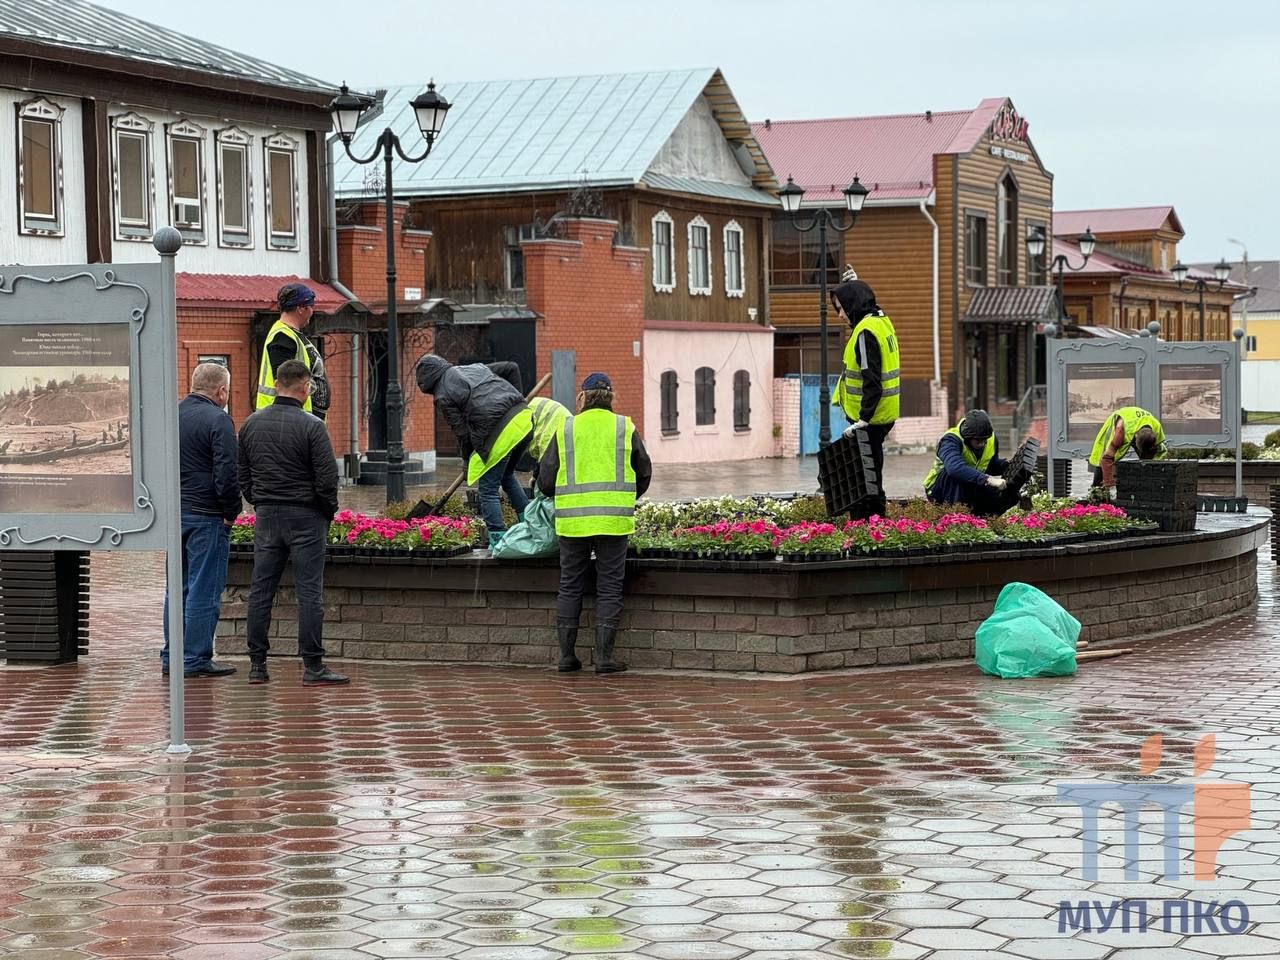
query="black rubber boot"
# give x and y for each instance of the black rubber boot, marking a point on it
(568, 634)
(605, 663)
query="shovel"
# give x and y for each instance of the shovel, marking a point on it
(424, 509)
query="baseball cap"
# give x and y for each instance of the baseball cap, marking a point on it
(597, 381)
(294, 295)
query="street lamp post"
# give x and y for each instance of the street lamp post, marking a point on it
(854, 196)
(1221, 272)
(429, 110)
(1036, 242)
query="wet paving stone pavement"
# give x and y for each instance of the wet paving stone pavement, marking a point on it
(490, 813)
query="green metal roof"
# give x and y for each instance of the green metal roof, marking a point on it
(550, 134)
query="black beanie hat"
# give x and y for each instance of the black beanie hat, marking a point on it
(976, 425)
(856, 298)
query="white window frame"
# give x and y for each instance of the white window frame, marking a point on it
(730, 290)
(235, 139)
(188, 132)
(40, 110)
(281, 144)
(133, 126)
(663, 217)
(697, 223)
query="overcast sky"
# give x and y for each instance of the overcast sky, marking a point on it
(1130, 102)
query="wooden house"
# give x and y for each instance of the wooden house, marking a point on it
(942, 241)
(603, 222)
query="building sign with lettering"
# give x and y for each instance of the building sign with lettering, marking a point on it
(1010, 154)
(1009, 125)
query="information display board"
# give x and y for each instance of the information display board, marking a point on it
(1192, 388)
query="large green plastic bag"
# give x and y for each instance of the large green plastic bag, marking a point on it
(532, 537)
(1027, 635)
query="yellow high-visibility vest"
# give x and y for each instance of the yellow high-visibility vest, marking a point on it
(596, 485)
(848, 395)
(267, 376)
(547, 417)
(1134, 419)
(978, 462)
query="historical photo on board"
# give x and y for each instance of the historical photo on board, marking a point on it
(1191, 398)
(64, 418)
(1095, 390)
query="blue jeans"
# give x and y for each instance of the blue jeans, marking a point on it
(205, 547)
(502, 477)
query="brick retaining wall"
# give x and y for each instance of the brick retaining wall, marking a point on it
(769, 618)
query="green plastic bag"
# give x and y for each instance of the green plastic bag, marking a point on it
(1027, 635)
(534, 536)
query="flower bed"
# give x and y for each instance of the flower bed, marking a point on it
(357, 534)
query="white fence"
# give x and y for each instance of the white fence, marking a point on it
(1260, 385)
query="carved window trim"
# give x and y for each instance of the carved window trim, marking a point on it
(234, 140)
(663, 284)
(695, 288)
(281, 240)
(40, 110)
(130, 126)
(732, 289)
(184, 131)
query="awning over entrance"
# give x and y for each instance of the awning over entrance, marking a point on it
(1011, 305)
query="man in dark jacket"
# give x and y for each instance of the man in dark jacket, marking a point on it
(210, 505)
(289, 474)
(493, 426)
(969, 469)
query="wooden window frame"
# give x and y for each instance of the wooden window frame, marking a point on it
(670, 406)
(513, 237)
(235, 140)
(184, 131)
(696, 289)
(292, 240)
(704, 395)
(970, 247)
(40, 110)
(1007, 230)
(732, 289)
(133, 126)
(742, 401)
(660, 284)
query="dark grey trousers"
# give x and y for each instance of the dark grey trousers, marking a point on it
(291, 536)
(575, 563)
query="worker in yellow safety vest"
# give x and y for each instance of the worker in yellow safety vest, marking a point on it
(547, 419)
(1127, 427)
(595, 466)
(285, 341)
(968, 469)
(870, 386)
(493, 425)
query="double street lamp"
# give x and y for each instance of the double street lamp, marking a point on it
(855, 195)
(1222, 272)
(429, 110)
(1036, 242)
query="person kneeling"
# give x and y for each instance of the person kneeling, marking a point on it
(968, 469)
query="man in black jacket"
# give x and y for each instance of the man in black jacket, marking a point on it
(289, 473)
(491, 420)
(210, 505)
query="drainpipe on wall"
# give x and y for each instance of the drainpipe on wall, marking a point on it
(937, 332)
(334, 282)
